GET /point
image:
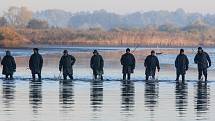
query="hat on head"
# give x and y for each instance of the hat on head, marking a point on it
(199, 48)
(7, 52)
(95, 51)
(65, 51)
(152, 51)
(181, 50)
(128, 50)
(36, 49)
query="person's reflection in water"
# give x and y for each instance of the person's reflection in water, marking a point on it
(127, 94)
(8, 91)
(96, 95)
(151, 96)
(181, 100)
(202, 100)
(35, 95)
(66, 96)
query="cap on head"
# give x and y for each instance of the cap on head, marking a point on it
(152, 52)
(95, 51)
(36, 49)
(181, 50)
(199, 48)
(65, 51)
(128, 50)
(7, 52)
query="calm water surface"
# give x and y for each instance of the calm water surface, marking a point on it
(25, 100)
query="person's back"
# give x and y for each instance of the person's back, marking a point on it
(36, 63)
(97, 64)
(9, 65)
(181, 65)
(181, 61)
(128, 59)
(151, 63)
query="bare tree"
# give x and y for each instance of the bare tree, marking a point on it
(18, 17)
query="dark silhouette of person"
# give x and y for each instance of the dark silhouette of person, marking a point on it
(35, 95)
(181, 65)
(9, 65)
(128, 62)
(66, 96)
(36, 64)
(203, 61)
(127, 94)
(151, 63)
(97, 64)
(96, 94)
(66, 63)
(181, 97)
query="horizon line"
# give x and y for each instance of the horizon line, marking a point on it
(110, 11)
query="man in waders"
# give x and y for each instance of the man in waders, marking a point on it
(97, 64)
(128, 62)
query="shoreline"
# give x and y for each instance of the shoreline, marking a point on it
(57, 46)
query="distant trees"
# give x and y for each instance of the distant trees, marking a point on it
(18, 16)
(168, 28)
(55, 17)
(3, 22)
(37, 24)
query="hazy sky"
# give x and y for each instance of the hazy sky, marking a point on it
(117, 6)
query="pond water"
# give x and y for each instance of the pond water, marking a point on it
(83, 99)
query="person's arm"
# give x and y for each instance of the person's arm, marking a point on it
(196, 59)
(30, 63)
(176, 62)
(209, 59)
(61, 64)
(73, 60)
(187, 62)
(41, 62)
(122, 60)
(158, 64)
(14, 63)
(102, 62)
(146, 61)
(134, 62)
(91, 62)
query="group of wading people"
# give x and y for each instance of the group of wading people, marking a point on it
(127, 60)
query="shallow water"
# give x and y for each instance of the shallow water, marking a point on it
(110, 100)
(106, 101)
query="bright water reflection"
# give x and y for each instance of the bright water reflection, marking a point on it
(104, 101)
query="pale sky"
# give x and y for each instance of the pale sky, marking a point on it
(117, 6)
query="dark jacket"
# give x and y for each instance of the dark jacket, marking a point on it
(97, 63)
(203, 60)
(181, 64)
(66, 62)
(9, 65)
(151, 62)
(128, 62)
(36, 63)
